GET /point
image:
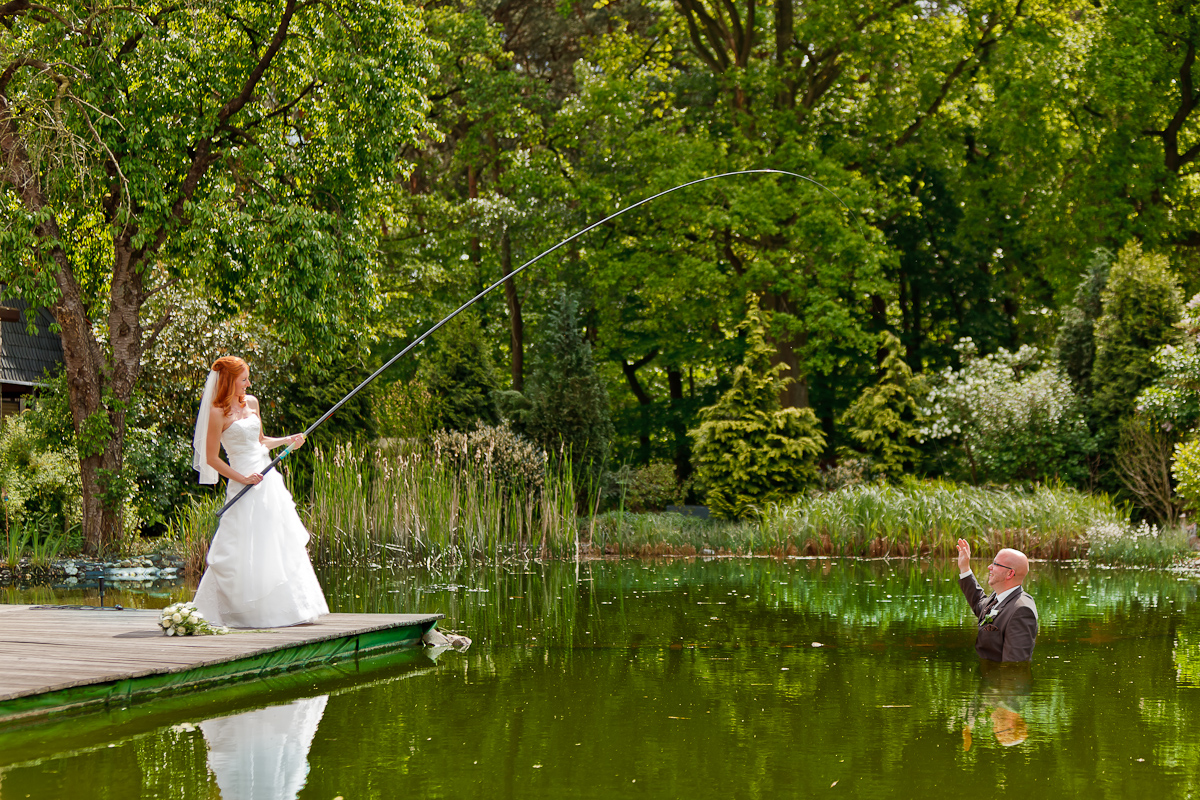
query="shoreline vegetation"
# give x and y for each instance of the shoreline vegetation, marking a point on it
(375, 506)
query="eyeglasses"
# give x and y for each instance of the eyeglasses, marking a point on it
(1001, 566)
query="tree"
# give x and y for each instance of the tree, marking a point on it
(1075, 347)
(882, 422)
(1141, 306)
(460, 377)
(568, 403)
(234, 145)
(750, 451)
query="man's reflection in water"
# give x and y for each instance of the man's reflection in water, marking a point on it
(263, 754)
(1004, 691)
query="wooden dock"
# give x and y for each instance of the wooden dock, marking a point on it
(55, 659)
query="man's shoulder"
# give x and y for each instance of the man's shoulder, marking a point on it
(1024, 599)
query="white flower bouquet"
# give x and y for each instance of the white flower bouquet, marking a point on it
(182, 619)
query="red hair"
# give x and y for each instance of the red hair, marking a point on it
(228, 368)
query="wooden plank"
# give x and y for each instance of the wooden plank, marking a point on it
(79, 655)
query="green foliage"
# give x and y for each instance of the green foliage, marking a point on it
(1142, 304)
(200, 331)
(751, 452)
(460, 377)
(1173, 401)
(1075, 347)
(883, 420)
(1186, 470)
(1004, 417)
(40, 482)
(568, 403)
(160, 466)
(413, 507)
(930, 516)
(311, 389)
(651, 487)
(402, 409)
(492, 453)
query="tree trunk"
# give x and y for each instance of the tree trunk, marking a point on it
(83, 362)
(644, 401)
(795, 394)
(683, 446)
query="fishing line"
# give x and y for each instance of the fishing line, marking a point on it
(518, 271)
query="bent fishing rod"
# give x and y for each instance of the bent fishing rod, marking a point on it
(275, 462)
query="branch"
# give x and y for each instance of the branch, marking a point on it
(985, 41)
(717, 62)
(1187, 104)
(17, 8)
(157, 327)
(204, 156)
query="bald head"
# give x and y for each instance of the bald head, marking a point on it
(1016, 560)
(1008, 569)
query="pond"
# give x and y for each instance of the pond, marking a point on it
(678, 678)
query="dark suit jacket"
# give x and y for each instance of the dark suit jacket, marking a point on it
(1011, 634)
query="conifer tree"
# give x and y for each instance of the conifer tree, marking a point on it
(1142, 304)
(882, 421)
(460, 377)
(568, 410)
(749, 450)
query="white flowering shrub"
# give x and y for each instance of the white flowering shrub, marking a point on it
(1007, 418)
(1144, 544)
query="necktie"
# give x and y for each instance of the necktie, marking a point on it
(989, 606)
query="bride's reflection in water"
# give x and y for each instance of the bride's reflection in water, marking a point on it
(264, 753)
(1004, 691)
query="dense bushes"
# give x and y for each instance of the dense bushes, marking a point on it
(1005, 418)
(567, 411)
(40, 483)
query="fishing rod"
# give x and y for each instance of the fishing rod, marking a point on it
(517, 271)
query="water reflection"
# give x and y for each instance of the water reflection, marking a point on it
(263, 754)
(1004, 695)
(700, 679)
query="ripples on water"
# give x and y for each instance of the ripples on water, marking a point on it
(685, 678)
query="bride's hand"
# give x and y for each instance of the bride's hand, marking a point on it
(295, 441)
(252, 479)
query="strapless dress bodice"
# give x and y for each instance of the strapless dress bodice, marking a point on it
(242, 446)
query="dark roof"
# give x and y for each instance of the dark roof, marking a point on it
(24, 358)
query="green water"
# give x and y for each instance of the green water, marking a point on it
(677, 679)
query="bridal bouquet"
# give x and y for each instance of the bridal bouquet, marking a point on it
(182, 619)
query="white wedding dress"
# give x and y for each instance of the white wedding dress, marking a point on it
(259, 574)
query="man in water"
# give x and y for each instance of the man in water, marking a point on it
(1008, 621)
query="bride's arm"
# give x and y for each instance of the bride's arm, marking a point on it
(212, 451)
(271, 442)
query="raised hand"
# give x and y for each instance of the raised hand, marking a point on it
(964, 556)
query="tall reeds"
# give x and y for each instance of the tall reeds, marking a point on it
(374, 502)
(929, 518)
(191, 531)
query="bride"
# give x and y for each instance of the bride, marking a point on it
(258, 575)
